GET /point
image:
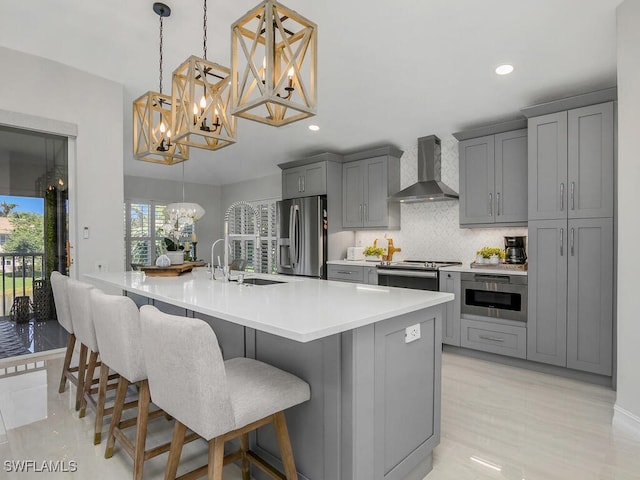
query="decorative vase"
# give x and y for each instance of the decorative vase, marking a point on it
(494, 259)
(480, 259)
(177, 257)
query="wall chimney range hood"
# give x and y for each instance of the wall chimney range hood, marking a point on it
(429, 187)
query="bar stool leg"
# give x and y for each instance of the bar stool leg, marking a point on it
(282, 435)
(102, 394)
(176, 450)
(82, 366)
(144, 399)
(244, 446)
(88, 382)
(71, 343)
(216, 459)
(118, 406)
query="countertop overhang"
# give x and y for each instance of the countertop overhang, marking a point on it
(300, 309)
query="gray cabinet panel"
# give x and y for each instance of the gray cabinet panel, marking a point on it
(494, 337)
(477, 180)
(450, 282)
(547, 307)
(511, 177)
(547, 146)
(352, 194)
(375, 196)
(371, 275)
(345, 273)
(314, 179)
(230, 336)
(291, 183)
(590, 295)
(590, 163)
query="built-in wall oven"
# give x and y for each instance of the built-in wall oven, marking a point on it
(494, 295)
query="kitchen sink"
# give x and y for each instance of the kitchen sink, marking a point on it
(260, 281)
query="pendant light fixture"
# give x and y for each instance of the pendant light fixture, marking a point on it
(273, 65)
(152, 133)
(200, 99)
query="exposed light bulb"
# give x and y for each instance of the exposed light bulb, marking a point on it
(169, 134)
(163, 128)
(195, 109)
(290, 73)
(203, 102)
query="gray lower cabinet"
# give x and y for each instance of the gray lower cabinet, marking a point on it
(571, 163)
(571, 293)
(450, 283)
(353, 274)
(494, 337)
(304, 181)
(493, 179)
(367, 183)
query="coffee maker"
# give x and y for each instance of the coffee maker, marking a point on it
(515, 248)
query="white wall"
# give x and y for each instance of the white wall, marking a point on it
(628, 399)
(35, 86)
(263, 188)
(431, 230)
(208, 228)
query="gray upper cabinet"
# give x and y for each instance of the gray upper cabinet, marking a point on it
(590, 153)
(367, 184)
(547, 281)
(493, 179)
(304, 181)
(450, 282)
(590, 295)
(571, 163)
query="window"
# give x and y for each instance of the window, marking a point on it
(143, 231)
(242, 223)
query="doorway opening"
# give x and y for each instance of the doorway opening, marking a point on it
(34, 230)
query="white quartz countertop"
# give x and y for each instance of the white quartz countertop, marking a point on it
(494, 270)
(354, 263)
(300, 309)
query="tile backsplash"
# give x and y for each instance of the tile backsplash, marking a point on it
(431, 231)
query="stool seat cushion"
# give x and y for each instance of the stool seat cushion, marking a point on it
(258, 389)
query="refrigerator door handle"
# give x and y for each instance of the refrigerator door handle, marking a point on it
(292, 235)
(296, 223)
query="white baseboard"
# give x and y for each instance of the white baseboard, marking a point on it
(625, 420)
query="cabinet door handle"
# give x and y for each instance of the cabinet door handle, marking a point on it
(498, 204)
(491, 204)
(573, 196)
(562, 242)
(360, 212)
(572, 241)
(561, 197)
(366, 213)
(493, 339)
(344, 273)
(304, 187)
(299, 184)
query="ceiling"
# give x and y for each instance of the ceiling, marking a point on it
(387, 72)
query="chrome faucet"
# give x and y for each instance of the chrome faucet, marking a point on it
(212, 263)
(238, 236)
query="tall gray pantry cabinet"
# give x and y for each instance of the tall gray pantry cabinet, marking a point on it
(571, 169)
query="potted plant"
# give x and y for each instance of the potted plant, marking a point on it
(174, 250)
(491, 255)
(373, 253)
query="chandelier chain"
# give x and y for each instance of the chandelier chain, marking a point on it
(204, 30)
(161, 53)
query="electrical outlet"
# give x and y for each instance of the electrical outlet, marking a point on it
(412, 333)
(101, 266)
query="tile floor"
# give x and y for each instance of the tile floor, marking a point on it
(498, 422)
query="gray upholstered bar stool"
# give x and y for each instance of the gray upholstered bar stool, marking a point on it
(117, 322)
(61, 300)
(219, 400)
(82, 318)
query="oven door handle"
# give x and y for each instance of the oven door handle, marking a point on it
(491, 278)
(405, 273)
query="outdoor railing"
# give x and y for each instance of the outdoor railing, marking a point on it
(18, 273)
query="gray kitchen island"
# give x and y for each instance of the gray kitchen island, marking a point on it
(371, 355)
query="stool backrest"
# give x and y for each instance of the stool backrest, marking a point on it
(61, 300)
(186, 371)
(80, 306)
(117, 323)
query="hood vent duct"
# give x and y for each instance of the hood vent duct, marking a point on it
(429, 187)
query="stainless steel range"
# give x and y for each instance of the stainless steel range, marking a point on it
(416, 274)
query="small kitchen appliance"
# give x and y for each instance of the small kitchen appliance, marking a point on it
(355, 253)
(515, 248)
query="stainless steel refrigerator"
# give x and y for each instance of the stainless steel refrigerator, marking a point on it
(302, 236)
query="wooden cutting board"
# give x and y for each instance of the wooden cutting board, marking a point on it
(170, 271)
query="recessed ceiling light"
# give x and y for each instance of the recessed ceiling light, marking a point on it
(505, 69)
(314, 128)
